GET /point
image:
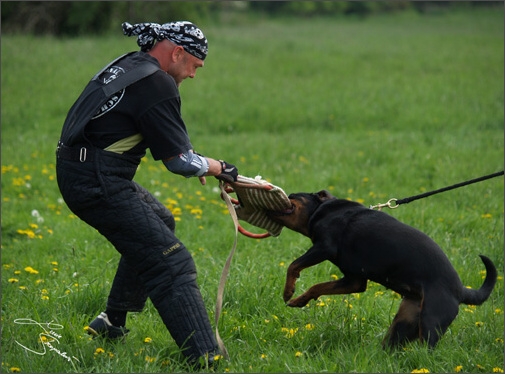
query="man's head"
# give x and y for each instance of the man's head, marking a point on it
(180, 47)
(183, 33)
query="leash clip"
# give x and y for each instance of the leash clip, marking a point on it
(391, 204)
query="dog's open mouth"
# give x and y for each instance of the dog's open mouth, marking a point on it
(285, 212)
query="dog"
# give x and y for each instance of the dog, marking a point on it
(366, 244)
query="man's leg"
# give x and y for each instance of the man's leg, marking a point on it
(162, 263)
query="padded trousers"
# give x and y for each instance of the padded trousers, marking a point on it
(154, 263)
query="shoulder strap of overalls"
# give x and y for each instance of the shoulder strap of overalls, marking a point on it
(95, 95)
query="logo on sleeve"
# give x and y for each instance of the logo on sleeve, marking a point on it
(108, 76)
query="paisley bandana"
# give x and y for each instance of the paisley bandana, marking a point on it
(182, 33)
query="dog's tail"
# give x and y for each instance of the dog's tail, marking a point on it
(477, 297)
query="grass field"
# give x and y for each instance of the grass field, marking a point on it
(389, 106)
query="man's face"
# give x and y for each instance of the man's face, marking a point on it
(185, 67)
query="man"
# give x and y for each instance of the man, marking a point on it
(131, 105)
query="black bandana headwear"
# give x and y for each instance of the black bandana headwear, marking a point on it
(182, 33)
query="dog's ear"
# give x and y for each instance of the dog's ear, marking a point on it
(324, 195)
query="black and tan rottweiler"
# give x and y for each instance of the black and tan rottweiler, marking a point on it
(371, 245)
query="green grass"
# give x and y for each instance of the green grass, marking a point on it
(389, 106)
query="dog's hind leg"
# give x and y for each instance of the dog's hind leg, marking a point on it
(405, 326)
(438, 312)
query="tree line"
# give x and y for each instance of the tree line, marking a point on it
(74, 18)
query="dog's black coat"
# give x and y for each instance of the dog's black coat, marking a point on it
(371, 245)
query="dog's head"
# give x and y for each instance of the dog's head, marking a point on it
(303, 206)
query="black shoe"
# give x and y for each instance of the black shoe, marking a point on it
(101, 326)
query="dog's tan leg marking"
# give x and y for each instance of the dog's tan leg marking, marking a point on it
(341, 286)
(292, 275)
(406, 324)
(312, 257)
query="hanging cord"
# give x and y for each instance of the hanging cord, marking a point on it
(225, 272)
(394, 203)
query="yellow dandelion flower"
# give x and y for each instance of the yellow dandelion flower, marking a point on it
(15, 369)
(289, 332)
(282, 263)
(497, 370)
(150, 359)
(54, 263)
(320, 303)
(263, 356)
(498, 311)
(309, 326)
(217, 357)
(31, 270)
(458, 368)
(33, 225)
(28, 233)
(148, 340)
(422, 370)
(7, 266)
(13, 280)
(111, 355)
(39, 281)
(334, 276)
(99, 351)
(18, 182)
(499, 340)
(44, 297)
(303, 160)
(479, 324)
(22, 288)
(298, 354)
(486, 215)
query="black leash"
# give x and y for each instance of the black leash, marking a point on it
(394, 203)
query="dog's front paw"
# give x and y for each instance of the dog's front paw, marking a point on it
(298, 302)
(288, 293)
